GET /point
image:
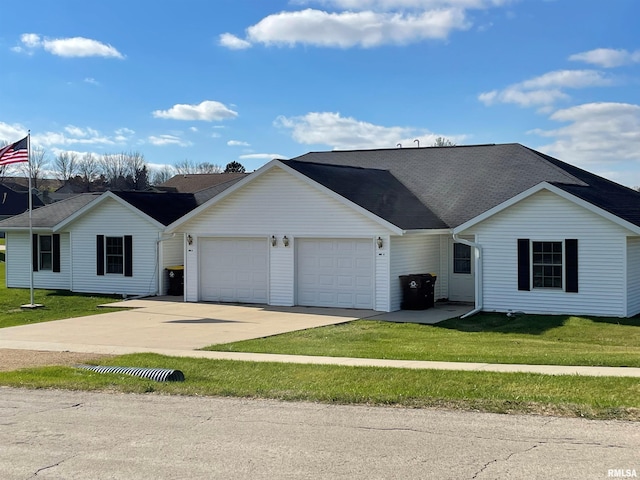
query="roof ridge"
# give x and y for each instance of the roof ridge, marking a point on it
(547, 159)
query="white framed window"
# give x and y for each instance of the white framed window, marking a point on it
(45, 252)
(114, 255)
(547, 264)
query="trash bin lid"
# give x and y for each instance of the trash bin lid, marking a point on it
(176, 267)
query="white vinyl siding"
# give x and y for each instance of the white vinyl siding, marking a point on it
(278, 203)
(112, 219)
(19, 264)
(633, 276)
(413, 254)
(547, 217)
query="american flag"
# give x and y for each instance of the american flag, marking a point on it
(14, 153)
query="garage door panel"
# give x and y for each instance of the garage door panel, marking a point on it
(234, 270)
(335, 272)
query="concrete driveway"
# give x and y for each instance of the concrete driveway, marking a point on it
(154, 325)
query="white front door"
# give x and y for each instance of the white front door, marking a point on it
(234, 270)
(461, 272)
(335, 272)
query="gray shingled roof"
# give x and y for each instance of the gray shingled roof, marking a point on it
(50, 215)
(378, 191)
(462, 182)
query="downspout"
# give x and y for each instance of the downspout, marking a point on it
(478, 270)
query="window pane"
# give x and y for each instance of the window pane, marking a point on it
(45, 243)
(45, 261)
(461, 258)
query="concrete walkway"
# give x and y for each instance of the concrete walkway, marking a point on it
(177, 329)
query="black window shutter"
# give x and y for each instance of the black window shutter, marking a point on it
(100, 254)
(34, 253)
(128, 256)
(524, 265)
(571, 268)
(56, 252)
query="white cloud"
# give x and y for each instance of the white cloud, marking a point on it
(262, 156)
(596, 134)
(67, 47)
(348, 29)
(545, 89)
(232, 42)
(163, 140)
(12, 132)
(91, 81)
(364, 23)
(405, 4)
(237, 143)
(347, 133)
(607, 57)
(125, 131)
(208, 111)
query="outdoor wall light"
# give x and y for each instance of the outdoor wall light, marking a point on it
(189, 239)
(274, 241)
(285, 241)
(379, 242)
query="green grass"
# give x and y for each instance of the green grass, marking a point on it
(592, 397)
(491, 338)
(57, 304)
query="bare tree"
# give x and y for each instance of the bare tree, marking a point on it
(161, 175)
(443, 142)
(88, 169)
(186, 167)
(65, 165)
(206, 167)
(34, 168)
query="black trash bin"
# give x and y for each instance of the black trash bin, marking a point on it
(176, 280)
(417, 291)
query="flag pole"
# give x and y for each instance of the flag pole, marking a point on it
(32, 304)
(30, 216)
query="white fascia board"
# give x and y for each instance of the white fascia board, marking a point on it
(103, 198)
(278, 164)
(553, 189)
(212, 201)
(429, 231)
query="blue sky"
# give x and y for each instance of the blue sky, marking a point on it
(249, 80)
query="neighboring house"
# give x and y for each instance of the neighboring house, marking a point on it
(15, 202)
(112, 242)
(502, 226)
(196, 182)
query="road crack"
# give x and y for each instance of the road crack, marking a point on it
(496, 460)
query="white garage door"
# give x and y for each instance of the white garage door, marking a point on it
(335, 272)
(234, 270)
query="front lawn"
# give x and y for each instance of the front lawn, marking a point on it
(485, 338)
(57, 304)
(566, 395)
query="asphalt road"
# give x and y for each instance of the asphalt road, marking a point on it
(82, 435)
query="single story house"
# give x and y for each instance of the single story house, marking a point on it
(502, 226)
